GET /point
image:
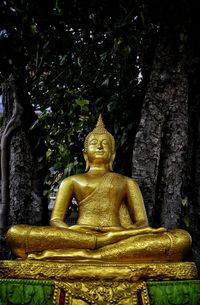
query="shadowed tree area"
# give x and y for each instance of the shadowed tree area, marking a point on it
(136, 62)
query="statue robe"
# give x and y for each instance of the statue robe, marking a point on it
(100, 217)
(99, 211)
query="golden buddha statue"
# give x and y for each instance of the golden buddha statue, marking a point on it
(112, 224)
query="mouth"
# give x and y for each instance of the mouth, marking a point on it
(99, 153)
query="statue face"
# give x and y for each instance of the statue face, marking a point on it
(99, 149)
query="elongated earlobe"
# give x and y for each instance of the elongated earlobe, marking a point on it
(111, 162)
(87, 165)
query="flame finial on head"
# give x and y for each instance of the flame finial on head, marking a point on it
(100, 127)
(100, 122)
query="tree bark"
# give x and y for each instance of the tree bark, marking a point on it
(193, 215)
(160, 149)
(22, 160)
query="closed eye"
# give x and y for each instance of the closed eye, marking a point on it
(93, 142)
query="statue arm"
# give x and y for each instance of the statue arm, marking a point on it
(62, 203)
(135, 205)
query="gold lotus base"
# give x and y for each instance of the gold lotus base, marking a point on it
(87, 283)
(62, 271)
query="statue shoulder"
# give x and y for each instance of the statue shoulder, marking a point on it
(125, 178)
(117, 176)
(132, 180)
(129, 181)
(71, 180)
(74, 178)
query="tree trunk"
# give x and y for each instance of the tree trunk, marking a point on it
(22, 161)
(194, 154)
(160, 150)
(26, 204)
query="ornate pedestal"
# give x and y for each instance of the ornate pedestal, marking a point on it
(88, 283)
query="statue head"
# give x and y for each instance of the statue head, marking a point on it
(100, 132)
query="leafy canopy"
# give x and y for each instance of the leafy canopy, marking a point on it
(79, 59)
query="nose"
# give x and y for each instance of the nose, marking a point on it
(99, 146)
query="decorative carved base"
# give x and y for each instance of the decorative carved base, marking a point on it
(62, 271)
(42, 292)
(90, 283)
(101, 292)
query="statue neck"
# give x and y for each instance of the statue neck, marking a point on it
(98, 169)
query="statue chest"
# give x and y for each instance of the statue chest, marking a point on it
(101, 206)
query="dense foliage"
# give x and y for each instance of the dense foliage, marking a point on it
(79, 59)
